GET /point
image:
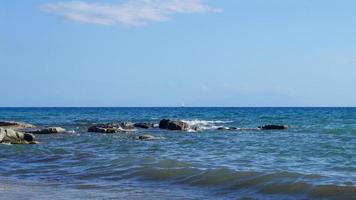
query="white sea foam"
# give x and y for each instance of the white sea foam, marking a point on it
(71, 131)
(197, 124)
(205, 122)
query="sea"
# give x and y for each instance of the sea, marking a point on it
(315, 158)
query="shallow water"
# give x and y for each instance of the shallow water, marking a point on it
(314, 159)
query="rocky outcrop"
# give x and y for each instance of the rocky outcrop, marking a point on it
(127, 125)
(10, 136)
(146, 137)
(15, 125)
(112, 127)
(273, 127)
(143, 125)
(100, 129)
(50, 130)
(173, 125)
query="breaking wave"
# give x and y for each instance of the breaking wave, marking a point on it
(197, 124)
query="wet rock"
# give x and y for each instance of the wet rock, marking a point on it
(197, 128)
(8, 123)
(127, 125)
(15, 125)
(173, 125)
(273, 127)
(50, 130)
(143, 125)
(15, 137)
(112, 127)
(111, 130)
(97, 129)
(146, 137)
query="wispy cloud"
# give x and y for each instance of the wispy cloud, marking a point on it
(131, 12)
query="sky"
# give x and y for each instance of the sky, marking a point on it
(173, 52)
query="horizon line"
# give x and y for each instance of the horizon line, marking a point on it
(177, 106)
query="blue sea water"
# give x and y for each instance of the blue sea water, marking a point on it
(314, 159)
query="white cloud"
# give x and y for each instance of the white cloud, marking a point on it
(132, 12)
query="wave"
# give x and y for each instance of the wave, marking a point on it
(226, 181)
(205, 122)
(219, 181)
(197, 124)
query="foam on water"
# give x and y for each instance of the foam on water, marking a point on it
(205, 124)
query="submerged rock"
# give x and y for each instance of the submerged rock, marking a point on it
(112, 127)
(273, 127)
(173, 125)
(143, 125)
(15, 137)
(50, 130)
(15, 125)
(146, 137)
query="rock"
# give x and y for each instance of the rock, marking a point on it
(197, 129)
(97, 129)
(127, 125)
(15, 137)
(173, 125)
(15, 125)
(49, 130)
(146, 137)
(111, 130)
(143, 125)
(273, 127)
(8, 123)
(112, 127)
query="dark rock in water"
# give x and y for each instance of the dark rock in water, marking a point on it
(173, 125)
(14, 137)
(8, 123)
(97, 129)
(146, 137)
(127, 125)
(29, 138)
(15, 125)
(273, 127)
(110, 130)
(143, 125)
(197, 128)
(50, 130)
(102, 129)
(112, 127)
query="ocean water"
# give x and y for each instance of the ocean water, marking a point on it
(314, 159)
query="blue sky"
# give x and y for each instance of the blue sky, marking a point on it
(169, 52)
